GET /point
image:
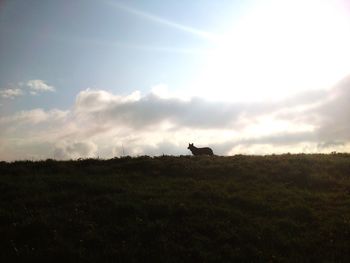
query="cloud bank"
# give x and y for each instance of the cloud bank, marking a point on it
(103, 124)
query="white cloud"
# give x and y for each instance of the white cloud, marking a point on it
(73, 150)
(91, 100)
(37, 85)
(33, 117)
(104, 124)
(11, 93)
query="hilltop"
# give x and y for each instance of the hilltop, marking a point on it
(276, 208)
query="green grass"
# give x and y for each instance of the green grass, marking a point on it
(278, 208)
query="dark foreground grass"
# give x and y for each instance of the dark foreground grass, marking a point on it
(285, 208)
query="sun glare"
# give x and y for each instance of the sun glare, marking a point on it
(278, 49)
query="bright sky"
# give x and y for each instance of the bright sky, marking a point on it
(279, 48)
(216, 73)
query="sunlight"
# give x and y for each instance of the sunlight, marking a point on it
(278, 49)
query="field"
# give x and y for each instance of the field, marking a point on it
(276, 208)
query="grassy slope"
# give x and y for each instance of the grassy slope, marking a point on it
(287, 208)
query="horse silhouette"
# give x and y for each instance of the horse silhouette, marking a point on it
(200, 151)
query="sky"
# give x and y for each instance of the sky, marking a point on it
(107, 78)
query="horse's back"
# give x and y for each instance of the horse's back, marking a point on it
(206, 151)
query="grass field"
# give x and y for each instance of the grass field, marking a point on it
(276, 208)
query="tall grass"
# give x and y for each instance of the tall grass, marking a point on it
(277, 208)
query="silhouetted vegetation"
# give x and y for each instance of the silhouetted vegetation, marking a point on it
(277, 208)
